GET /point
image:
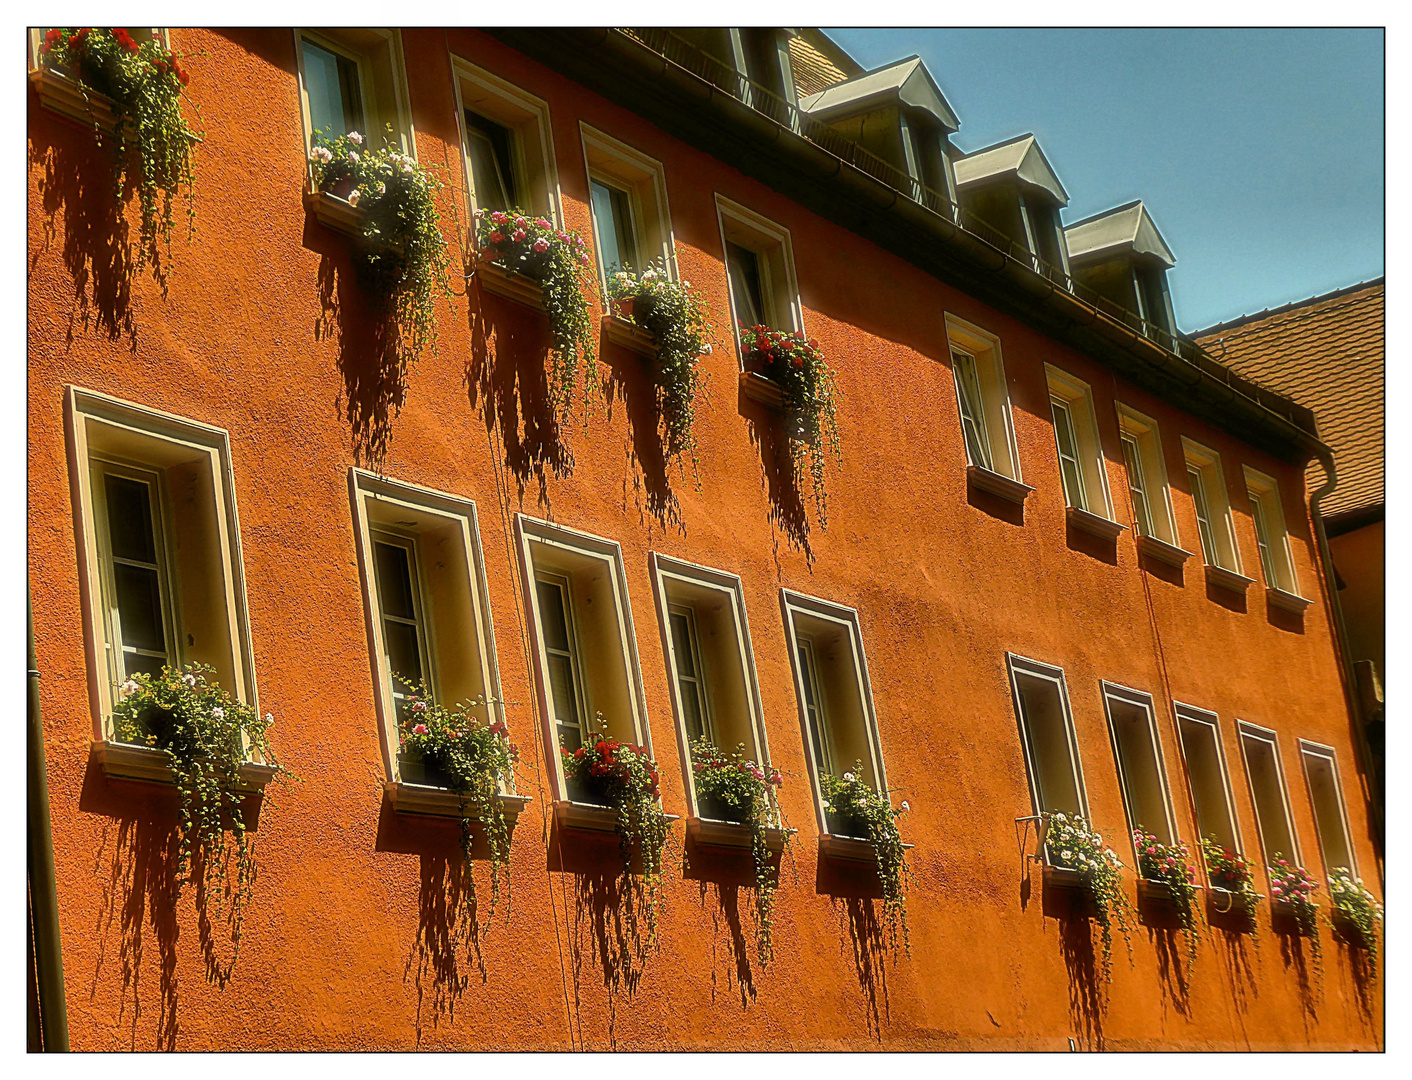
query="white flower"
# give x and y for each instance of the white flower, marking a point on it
(355, 138)
(848, 778)
(1066, 855)
(353, 156)
(269, 719)
(353, 198)
(649, 275)
(218, 713)
(382, 189)
(905, 806)
(322, 154)
(129, 687)
(686, 284)
(189, 679)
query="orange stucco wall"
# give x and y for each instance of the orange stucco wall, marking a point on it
(1360, 560)
(343, 945)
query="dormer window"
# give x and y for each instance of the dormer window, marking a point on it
(1012, 188)
(1120, 255)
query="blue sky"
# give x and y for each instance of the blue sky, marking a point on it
(1259, 153)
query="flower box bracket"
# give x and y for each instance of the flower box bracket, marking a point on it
(145, 764)
(712, 832)
(507, 285)
(427, 800)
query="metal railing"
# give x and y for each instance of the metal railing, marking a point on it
(684, 54)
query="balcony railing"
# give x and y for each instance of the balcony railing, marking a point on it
(684, 54)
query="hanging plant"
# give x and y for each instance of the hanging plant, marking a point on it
(677, 319)
(204, 733)
(152, 143)
(855, 809)
(736, 789)
(1231, 872)
(402, 259)
(1072, 844)
(1359, 908)
(1293, 887)
(624, 777)
(558, 260)
(796, 364)
(1170, 864)
(474, 759)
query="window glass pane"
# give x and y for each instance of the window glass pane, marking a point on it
(811, 706)
(394, 578)
(1262, 539)
(968, 395)
(139, 607)
(1203, 516)
(130, 518)
(1328, 812)
(681, 644)
(691, 709)
(135, 663)
(335, 102)
(404, 655)
(612, 213)
(552, 622)
(1068, 454)
(492, 172)
(564, 697)
(1137, 484)
(744, 272)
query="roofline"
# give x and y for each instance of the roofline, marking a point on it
(1283, 309)
(833, 50)
(1103, 214)
(1001, 144)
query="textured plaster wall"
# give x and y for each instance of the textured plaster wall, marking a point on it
(345, 943)
(1360, 560)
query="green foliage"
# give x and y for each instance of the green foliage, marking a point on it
(152, 145)
(1293, 886)
(1072, 844)
(677, 318)
(1228, 870)
(855, 809)
(475, 758)
(1170, 864)
(741, 791)
(403, 259)
(795, 362)
(624, 776)
(1359, 907)
(204, 732)
(557, 259)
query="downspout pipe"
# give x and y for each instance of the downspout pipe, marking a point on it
(1325, 457)
(43, 887)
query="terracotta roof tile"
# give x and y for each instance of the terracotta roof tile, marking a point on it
(1327, 353)
(813, 71)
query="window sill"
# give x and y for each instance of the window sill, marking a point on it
(850, 848)
(759, 388)
(1162, 551)
(335, 214)
(65, 96)
(1284, 909)
(128, 761)
(628, 335)
(590, 817)
(431, 801)
(711, 832)
(1228, 579)
(1093, 524)
(507, 285)
(1156, 892)
(1287, 600)
(993, 482)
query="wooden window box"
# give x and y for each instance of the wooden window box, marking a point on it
(1285, 909)
(1162, 551)
(507, 285)
(590, 817)
(628, 335)
(67, 97)
(1228, 579)
(985, 479)
(430, 801)
(129, 761)
(765, 390)
(1157, 893)
(1094, 524)
(1061, 877)
(850, 848)
(711, 832)
(1287, 600)
(335, 213)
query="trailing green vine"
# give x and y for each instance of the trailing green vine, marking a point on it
(798, 366)
(558, 260)
(1170, 864)
(624, 776)
(736, 789)
(853, 808)
(152, 143)
(1293, 887)
(1072, 844)
(677, 319)
(204, 733)
(475, 760)
(402, 259)
(1359, 908)
(1230, 872)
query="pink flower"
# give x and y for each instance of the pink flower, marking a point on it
(563, 237)
(1276, 890)
(420, 729)
(542, 223)
(419, 706)
(355, 138)
(497, 238)
(497, 218)
(541, 244)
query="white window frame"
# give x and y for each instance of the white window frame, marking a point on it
(574, 654)
(93, 419)
(984, 348)
(846, 620)
(773, 247)
(535, 537)
(373, 496)
(1207, 463)
(373, 106)
(1256, 733)
(1077, 398)
(1114, 693)
(1145, 435)
(1264, 492)
(614, 162)
(420, 623)
(1309, 750)
(1210, 724)
(1019, 666)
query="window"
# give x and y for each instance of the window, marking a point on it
(138, 34)
(1137, 749)
(1260, 748)
(628, 195)
(354, 80)
(587, 674)
(759, 268)
(706, 642)
(424, 595)
(833, 691)
(1326, 798)
(162, 581)
(509, 155)
(1271, 536)
(1137, 485)
(1047, 737)
(1200, 735)
(1147, 482)
(1081, 464)
(1213, 510)
(982, 399)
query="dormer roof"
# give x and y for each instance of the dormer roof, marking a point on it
(1127, 228)
(907, 82)
(1020, 157)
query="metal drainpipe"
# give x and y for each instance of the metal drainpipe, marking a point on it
(1345, 655)
(43, 888)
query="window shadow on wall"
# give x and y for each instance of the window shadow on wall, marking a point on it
(1357, 962)
(1173, 973)
(855, 892)
(727, 875)
(1087, 993)
(631, 381)
(1233, 938)
(1304, 958)
(789, 513)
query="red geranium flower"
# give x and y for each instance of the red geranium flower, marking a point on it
(52, 38)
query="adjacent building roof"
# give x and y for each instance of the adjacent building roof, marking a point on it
(818, 62)
(1327, 353)
(1124, 228)
(1020, 157)
(907, 82)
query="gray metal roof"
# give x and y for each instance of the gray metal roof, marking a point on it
(1124, 228)
(907, 82)
(1021, 157)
